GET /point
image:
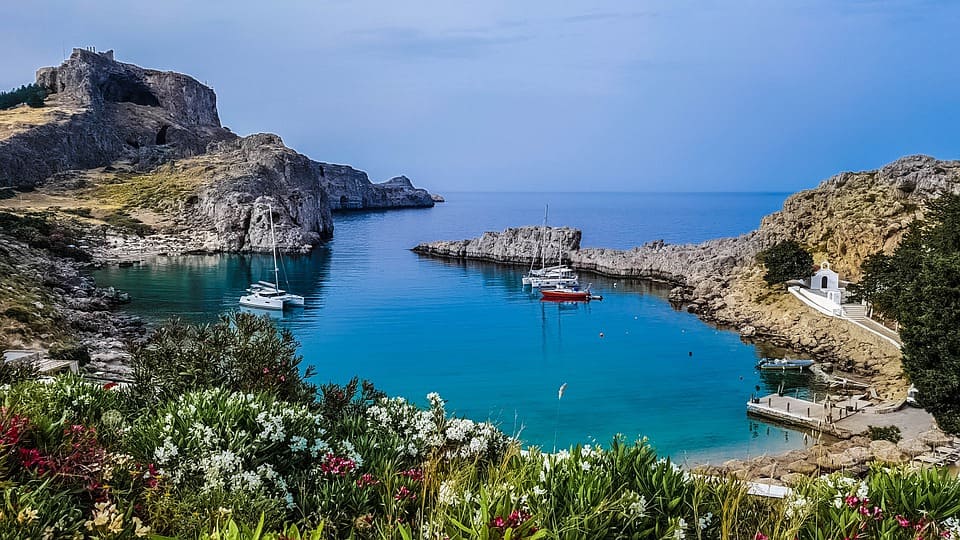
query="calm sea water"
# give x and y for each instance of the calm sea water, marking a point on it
(413, 325)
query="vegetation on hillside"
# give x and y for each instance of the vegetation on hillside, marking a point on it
(31, 94)
(230, 441)
(919, 286)
(784, 261)
(161, 190)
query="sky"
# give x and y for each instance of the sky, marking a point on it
(541, 95)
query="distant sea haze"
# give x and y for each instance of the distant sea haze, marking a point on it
(414, 325)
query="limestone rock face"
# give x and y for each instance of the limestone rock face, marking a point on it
(95, 79)
(350, 189)
(110, 110)
(162, 129)
(854, 214)
(245, 180)
(519, 245)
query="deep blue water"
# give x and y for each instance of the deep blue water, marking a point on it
(413, 325)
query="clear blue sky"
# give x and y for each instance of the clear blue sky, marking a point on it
(534, 95)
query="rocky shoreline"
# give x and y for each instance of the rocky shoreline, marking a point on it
(843, 220)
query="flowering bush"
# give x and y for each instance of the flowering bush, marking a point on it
(219, 440)
(420, 434)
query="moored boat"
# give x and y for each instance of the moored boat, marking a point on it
(566, 294)
(267, 295)
(783, 364)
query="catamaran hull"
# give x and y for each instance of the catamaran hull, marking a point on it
(259, 302)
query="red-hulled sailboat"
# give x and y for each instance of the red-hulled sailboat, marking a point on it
(566, 294)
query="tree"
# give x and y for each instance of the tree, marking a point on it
(785, 261)
(31, 94)
(919, 286)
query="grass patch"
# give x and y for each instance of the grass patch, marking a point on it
(162, 190)
(126, 222)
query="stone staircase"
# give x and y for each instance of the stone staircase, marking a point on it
(858, 314)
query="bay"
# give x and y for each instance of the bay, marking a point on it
(469, 331)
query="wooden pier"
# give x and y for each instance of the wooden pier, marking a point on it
(824, 417)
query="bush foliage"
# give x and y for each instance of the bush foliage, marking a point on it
(785, 261)
(919, 286)
(216, 455)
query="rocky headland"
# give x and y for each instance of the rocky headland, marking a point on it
(122, 162)
(843, 220)
(115, 138)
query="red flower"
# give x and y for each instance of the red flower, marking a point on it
(337, 465)
(367, 480)
(414, 474)
(760, 536)
(404, 493)
(904, 522)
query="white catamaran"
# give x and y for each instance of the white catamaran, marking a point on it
(553, 276)
(267, 295)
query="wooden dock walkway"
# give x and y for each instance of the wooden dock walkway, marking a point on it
(819, 416)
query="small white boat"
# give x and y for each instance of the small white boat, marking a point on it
(267, 295)
(561, 276)
(550, 277)
(783, 364)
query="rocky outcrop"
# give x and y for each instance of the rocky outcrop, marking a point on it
(843, 220)
(521, 245)
(48, 300)
(350, 189)
(247, 179)
(113, 111)
(155, 140)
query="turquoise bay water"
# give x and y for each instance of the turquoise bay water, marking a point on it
(413, 325)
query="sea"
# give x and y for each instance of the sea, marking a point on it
(632, 365)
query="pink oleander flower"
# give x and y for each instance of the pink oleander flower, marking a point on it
(367, 480)
(403, 493)
(904, 522)
(851, 501)
(760, 536)
(414, 474)
(335, 465)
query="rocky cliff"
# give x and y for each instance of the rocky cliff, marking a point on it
(350, 189)
(844, 219)
(112, 110)
(149, 143)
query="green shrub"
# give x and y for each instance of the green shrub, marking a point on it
(70, 350)
(125, 222)
(240, 352)
(42, 230)
(785, 261)
(20, 314)
(885, 433)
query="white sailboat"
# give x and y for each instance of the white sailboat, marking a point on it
(267, 295)
(553, 276)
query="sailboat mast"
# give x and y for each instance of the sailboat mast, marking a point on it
(533, 260)
(273, 237)
(543, 239)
